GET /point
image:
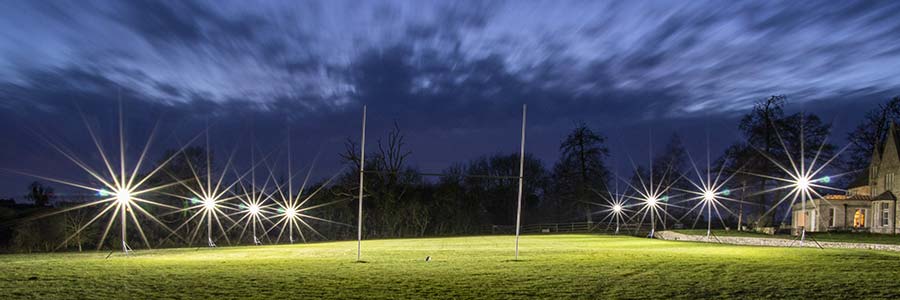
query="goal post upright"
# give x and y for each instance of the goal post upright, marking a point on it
(362, 171)
(521, 177)
(362, 163)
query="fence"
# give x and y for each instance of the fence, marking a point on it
(573, 227)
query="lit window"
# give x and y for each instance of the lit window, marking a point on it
(859, 218)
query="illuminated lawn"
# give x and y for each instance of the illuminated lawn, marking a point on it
(554, 266)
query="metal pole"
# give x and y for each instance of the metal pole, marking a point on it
(209, 228)
(805, 219)
(521, 176)
(253, 221)
(708, 220)
(617, 224)
(741, 206)
(253, 218)
(124, 236)
(122, 174)
(803, 194)
(362, 164)
(209, 216)
(655, 200)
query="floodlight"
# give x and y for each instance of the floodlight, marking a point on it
(803, 183)
(123, 196)
(709, 195)
(209, 203)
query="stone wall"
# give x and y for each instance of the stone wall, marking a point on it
(773, 242)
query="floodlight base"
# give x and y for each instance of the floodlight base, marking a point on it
(709, 235)
(211, 243)
(126, 249)
(652, 233)
(256, 241)
(803, 237)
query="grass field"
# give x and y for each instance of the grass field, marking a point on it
(552, 266)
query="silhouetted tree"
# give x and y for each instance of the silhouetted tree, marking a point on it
(580, 174)
(39, 194)
(498, 195)
(870, 133)
(768, 131)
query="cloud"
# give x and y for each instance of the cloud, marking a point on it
(450, 73)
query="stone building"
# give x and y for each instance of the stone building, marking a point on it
(869, 204)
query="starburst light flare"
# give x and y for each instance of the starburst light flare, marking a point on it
(801, 178)
(615, 207)
(709, 191)
(210, 198)
(254, 208)
(652, 197)
(290, 207)
(122, 190)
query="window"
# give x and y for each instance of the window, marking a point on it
(802, 217)
(812, 219)
(888, 181)
(885, 214)
(831, 220)
(859, 218)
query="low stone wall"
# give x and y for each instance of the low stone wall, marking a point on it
(774, 242)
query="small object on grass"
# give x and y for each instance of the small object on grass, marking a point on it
(427, 258)
(32, 278)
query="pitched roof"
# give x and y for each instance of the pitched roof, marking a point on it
(846, 197)
(887, 195)
(892, 133)
(880, 146)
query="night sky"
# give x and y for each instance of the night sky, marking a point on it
(452, 75)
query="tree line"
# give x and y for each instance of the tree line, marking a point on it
(470, 197)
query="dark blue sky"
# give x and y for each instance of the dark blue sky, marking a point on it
(453, 75)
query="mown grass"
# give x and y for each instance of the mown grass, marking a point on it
(552, 267)
(859, 237)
